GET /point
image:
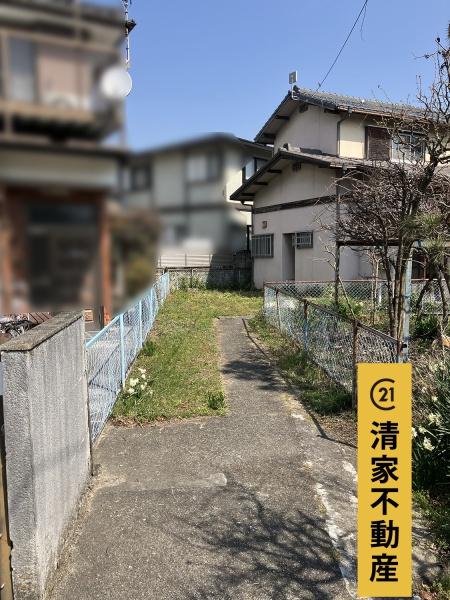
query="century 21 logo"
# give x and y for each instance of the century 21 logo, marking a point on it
(382, 394)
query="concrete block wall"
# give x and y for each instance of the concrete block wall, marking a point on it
(47, 445)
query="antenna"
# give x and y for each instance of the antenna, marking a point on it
(292, 80)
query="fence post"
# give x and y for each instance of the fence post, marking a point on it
(141, 332)
(355, 361)
(122, 350)
(305, 325)
(278, 308)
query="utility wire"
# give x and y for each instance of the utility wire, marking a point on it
(343, 45)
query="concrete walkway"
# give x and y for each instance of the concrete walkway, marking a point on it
(238, 507)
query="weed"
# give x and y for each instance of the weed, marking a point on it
(216, 401)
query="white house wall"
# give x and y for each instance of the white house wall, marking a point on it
(313, 264)
(309, 182)
(352, 137)
(313, 128)
(168, 180)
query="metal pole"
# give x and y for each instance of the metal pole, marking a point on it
(305, 325)
(141, 333)
(407, 308)
(337, 258)
(278, 309)
(122, 350)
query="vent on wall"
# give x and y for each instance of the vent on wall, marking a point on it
(302, 239)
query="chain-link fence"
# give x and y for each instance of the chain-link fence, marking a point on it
(333, 342)
(367, 298)
(110, 353)
(209, 278)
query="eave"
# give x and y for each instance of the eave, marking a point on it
(274, 167)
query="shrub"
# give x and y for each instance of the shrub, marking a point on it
(431, 431)
(426, 327)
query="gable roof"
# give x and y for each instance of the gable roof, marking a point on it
(302, 97)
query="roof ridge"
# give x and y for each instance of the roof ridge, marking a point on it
(310, 92)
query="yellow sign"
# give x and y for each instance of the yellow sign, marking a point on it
(384, 480)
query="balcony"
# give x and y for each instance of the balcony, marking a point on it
(51, 87)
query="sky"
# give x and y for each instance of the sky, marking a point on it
(222, 65)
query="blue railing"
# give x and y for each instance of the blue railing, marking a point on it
(111, 352)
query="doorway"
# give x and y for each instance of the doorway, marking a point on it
(288, 258)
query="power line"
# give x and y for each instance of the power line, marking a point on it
(363, 8)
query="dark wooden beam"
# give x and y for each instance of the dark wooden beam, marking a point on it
(282, 118)
(260, 183)
(366, 243)
(270, 136)
(275, 171)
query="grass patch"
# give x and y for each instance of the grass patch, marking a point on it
(177, 373)
(317, 391)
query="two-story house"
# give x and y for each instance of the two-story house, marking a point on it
(316, 137)
(56, 174)
(188, 186)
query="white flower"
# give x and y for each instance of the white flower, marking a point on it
(414, 432)
(435, 418)
(131, 390)
(422, 429)
(428, 445)
(142, 370)
(434, 398)
(142, 387)
(133, 382)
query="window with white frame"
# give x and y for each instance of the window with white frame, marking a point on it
(408, 146)
(262, 246)
(303, 239)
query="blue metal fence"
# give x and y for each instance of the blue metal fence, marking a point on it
(111, 352)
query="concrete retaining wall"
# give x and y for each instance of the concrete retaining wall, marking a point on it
(47, 444)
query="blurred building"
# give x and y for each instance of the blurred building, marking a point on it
(56, 173)
(188, 185)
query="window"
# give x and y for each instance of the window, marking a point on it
(22, 65)
(252, 166)
(378, 143)
(262, 246)
(140, 177)
(203, 167)
(302, 239)
(408, 146)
